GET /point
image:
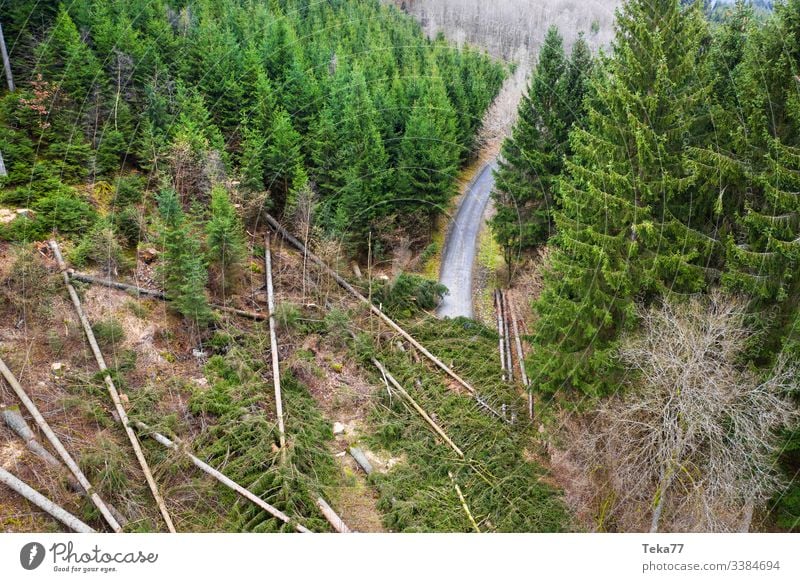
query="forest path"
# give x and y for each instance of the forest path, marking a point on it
(458, 258)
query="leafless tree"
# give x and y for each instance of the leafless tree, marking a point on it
(691, 445)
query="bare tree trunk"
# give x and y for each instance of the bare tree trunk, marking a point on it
(521, 357)
(56, 443)
(507, 335)
(273, 340)
(336, 522)
(6, 61)
(360, 458)
(501, 342)
(230, 483)
(157, 294)
(464, 503)
(2, 166)
(747, 516)
(44, 503)
(112, 389)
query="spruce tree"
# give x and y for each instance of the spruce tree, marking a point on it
(183, 270)
(283, 161)
(429, 156)
(531, 160)
(225, 239)
(631, 224)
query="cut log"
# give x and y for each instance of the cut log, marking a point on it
(273, 341)
(44, 503)
(32, 409)
(157, 294)
(112, 389)
(336, 522)
(436, 428)
(361, 459)
(209, 470)
(350, 289)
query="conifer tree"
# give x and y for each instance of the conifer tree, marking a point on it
(183, 271)
(531, 161)
(429, 155)
(283, 160)
(225, 239)
(630, 224)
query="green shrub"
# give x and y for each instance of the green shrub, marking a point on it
(29, 285)
(129, 190)
(65, 214)
(130, 224)
(105, 463)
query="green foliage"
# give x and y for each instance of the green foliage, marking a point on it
(407, 294)
(64, 213)
(630, 222)
(183, 270)
(505, 492)
(242, 434)
(100, 247)
(225, 239)
(533, 157)
(129, 190)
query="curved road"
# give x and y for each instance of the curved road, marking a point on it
(460, 247)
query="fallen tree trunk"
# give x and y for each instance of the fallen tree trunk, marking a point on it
(336, 522)
(57, 445)
(157, 294)
(209, 470)
(273, 341)
(501, 341)
(350, 289)
(507, 336)
(521, 358)
(436, 428)
(15, 421)
(112, 389)
(44, 503)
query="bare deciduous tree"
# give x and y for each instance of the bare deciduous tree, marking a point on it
(692, 445)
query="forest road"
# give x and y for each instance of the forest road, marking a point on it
(458, 258)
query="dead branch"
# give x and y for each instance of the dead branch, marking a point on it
(112, 389)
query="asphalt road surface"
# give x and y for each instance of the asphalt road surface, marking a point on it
(460, 248)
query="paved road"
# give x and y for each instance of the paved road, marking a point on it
(460, 248)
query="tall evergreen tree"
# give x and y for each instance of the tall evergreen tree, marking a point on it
(429, 155)
(630, 223)
(533, 157)
(225, 239)
(183, 270)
